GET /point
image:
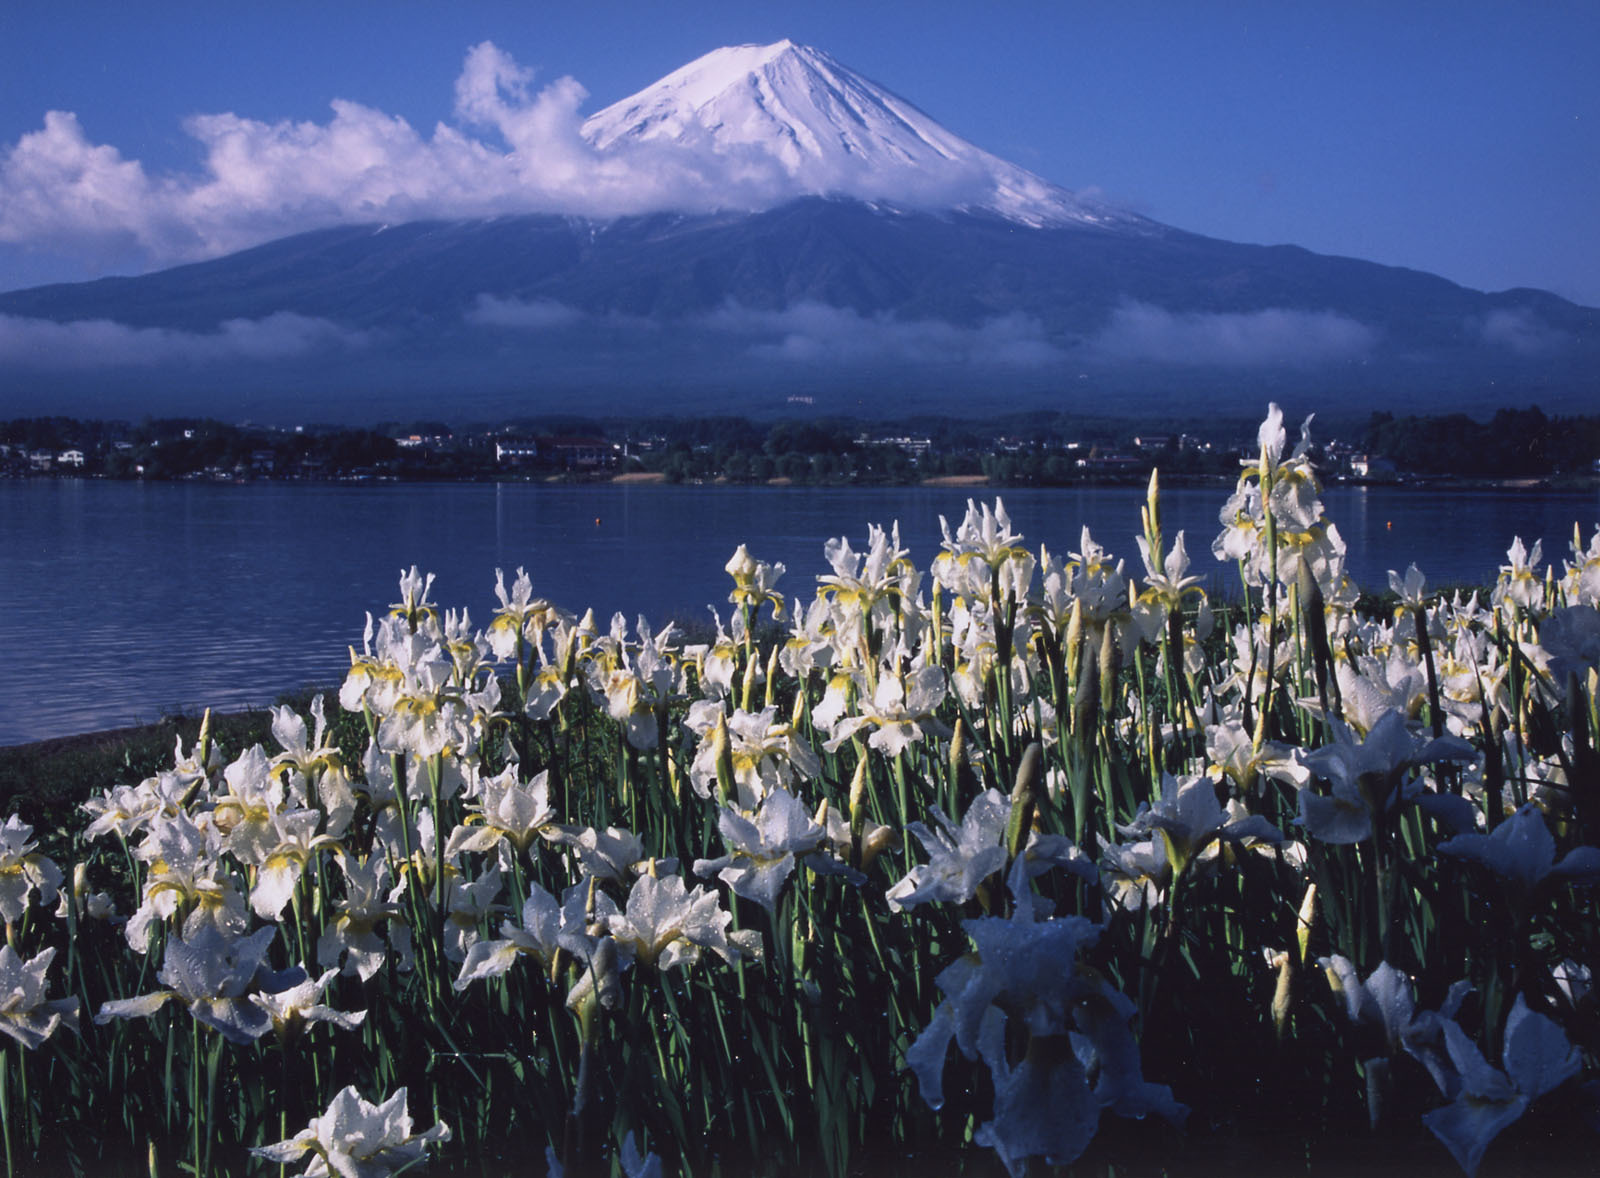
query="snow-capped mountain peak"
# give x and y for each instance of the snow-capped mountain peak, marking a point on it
(828, 131)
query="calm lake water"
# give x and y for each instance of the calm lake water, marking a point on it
(122, 601)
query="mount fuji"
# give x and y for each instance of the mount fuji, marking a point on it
(814, 236)
(832, 133)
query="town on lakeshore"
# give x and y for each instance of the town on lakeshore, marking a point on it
(1517, 447)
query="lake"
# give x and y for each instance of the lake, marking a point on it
(120, 601)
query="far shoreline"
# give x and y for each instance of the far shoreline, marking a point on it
(660, 479)
(1566, 484)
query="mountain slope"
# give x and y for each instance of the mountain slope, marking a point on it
(956, 267)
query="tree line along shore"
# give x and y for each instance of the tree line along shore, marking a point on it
(1041, 449)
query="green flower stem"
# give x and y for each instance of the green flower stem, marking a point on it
(897, 766)
(170, 1104)
(196, 1157)
(213, 1068)
(738, 964)
(441, 830)
(5, 1115)
(1147, 726)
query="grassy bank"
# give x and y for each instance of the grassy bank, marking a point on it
(46, 781)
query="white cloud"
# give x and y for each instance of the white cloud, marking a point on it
(1521, 331)
(103, 343)
(807, 333)
(62, 193)
(814, 333)
(541, 315)
(55, 185)
(534, 314)
(1244, 339)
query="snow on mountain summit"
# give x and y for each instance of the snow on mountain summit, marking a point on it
(829, 131)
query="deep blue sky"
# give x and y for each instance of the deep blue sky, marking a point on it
(1460, 138)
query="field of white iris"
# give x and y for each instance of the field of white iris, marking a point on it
(638, 904)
